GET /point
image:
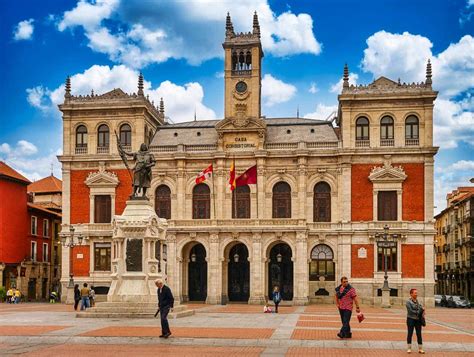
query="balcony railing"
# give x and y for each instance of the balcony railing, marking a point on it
(81, 150)
(127, 147)
(242, 72)
(102, 149)
(387, 142)
(362, 143)
(412, 142)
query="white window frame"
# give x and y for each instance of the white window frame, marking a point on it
(34, 231)
(34, 251)
(45, 252)
(46, 225)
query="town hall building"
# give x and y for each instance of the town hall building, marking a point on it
(325, 190)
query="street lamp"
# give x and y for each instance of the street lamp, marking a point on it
(386, 241)
(71, 244)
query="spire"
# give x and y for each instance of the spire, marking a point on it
(297, 111)
(162, 107)
(140, 84)
(428, 81)
(345, 78)
(229, 28)
(256, 26)
(194, 113)
(67, 93)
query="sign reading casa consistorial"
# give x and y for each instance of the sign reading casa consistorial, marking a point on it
(308, 198)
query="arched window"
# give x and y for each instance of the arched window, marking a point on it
(281, 200)
(235, 66)
(241, 60)
(322, 263)
(322, 202)
(248, 60)
(241, 202)
(362, 129)
(201, 202)
(163, 201)
(386, 128)
(411, 130)
(126, 135)
(103, 136)
(81, 136)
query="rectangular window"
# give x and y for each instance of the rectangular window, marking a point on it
(34, 225)
(34, 251)
(45, 228)
(102, 254)
(102, 209)
(45, 252)
(391, 259)
(387, 206)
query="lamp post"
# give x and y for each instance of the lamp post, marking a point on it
(71, 244)
(386, 241)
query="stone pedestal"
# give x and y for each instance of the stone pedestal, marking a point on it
(136, 234)
(386, 298)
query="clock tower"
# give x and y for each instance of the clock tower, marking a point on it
(242, 73)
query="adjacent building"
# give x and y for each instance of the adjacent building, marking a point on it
(324, 188)
(454, 244)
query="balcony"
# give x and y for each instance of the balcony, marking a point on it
(412, 142)
(387, 142)
(362, 143)
(127, 147)
(241, 72)
(102, 149)
(81, 150)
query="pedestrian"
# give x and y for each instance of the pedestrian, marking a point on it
(17, 297)
(165, 304)
(92, 296)
(345, 297)
(85, 291)
(10, 296)
(415, 320)
(276, 297)
(77, 296)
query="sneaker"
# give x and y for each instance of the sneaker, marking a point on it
(409, 350)
(339, 335)
(421, 351)
(168, 335)
(162, 336)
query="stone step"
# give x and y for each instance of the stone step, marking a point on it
(130, 315)
(114, 307)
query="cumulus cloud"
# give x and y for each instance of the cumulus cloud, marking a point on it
(275, 91)
(463, 165)
(322, 112)
(180, 101)
(24, 30)
(27, 160)
(337, 87)
(138, 33)
(313, 88)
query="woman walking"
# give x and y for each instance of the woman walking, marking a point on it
(276, 298)
(77, 296)
(415, 320)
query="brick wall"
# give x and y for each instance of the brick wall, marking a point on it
(361, 193)
(80, 266)
(413, 261)
(413, 198)
(362, 267)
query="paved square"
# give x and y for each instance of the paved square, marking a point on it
(232, 330)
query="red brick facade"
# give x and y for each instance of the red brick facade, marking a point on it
(362, 205)
(362, 267)
(413, 261)
(413, 197)
(81, 266)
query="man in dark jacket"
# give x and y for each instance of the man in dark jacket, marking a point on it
(165, 304)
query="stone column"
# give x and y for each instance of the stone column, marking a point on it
(173, 276)
(214, 273)
(301, 273)
(429, 172)
(257, 269)
(261, 183)
(181, 192)
(344, 193)
(343, 267)
(302, 182)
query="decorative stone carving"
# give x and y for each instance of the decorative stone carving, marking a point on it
(387, 173)
(102, 178)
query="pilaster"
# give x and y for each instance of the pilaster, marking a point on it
(257, 269)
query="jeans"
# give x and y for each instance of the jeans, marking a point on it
(76, 303)
(165, 327)
(276, 306)
(85, 303)
(414, 324)
(345, 319)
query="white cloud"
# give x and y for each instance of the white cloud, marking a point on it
(275, 91)
(313, 88)
(5, 148)
(470, 2)
(26, 148)
(24, 30)
(322, 112)
(463, 165)
(337, 87)
(180, 101)
(155, 31)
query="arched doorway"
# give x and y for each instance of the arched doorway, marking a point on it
(280, 271)
(197, 273)
(238, 273)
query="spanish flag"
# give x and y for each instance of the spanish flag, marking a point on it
(232, 176)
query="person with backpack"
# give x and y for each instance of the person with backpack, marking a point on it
(345, 297)
(415, 320)
(276, 297)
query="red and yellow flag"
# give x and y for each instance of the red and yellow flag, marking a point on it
(232, 176)
(249, 177)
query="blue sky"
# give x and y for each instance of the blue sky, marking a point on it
(103, 44)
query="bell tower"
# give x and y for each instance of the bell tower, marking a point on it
(242, 72)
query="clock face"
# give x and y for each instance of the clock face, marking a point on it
(241, 87)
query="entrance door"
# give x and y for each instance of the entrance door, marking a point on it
(197, 274)
(280, 271)
(239, 273)
(32, 289)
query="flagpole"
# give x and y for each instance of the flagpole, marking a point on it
(213, 192)
(257, 190)
(234, 195)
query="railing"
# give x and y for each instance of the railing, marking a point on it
(164, 148)
(102, 149)
(127, 147)
(362, 143)
(412, 142)
(232, 222)
(281, 146)
(81, 150)
(387, 142)
(242, 72)
(202, 147)
(322, 144)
